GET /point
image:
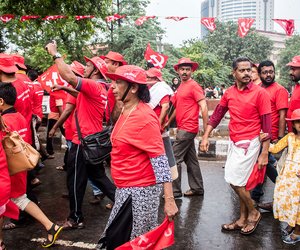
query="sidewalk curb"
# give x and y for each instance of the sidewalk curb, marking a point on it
(217, 150)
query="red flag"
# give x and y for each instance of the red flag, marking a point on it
(244, 26)
(51, 77)
(114, 17)
(83, 17)
(176, 18)
(287, 24)
(209, 23)
(51, 18)
(159, 238)
(142, 19)
(6, 18)
(158, 60)
(257, 177)
(25, 18)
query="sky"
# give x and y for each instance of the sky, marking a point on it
(177, 32)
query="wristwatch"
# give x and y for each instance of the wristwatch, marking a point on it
(57, 55)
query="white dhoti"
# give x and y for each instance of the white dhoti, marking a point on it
(241, 159)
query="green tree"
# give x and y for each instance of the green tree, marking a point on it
(227, 45)
(292, 48)
(72, 36)
(212, 70)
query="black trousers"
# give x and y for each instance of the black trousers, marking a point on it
(49, 143)
(78, 172)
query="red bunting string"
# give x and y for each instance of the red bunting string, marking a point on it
(244, 25)
(287, 24)
(26, 18)
(209, 23)
(83, 17)
(6, 18)
(52, 18)
(143, 19)
(114, 17)
(176, 18)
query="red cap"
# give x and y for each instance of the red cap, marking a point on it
(114, 56)
(129, 73)
(295, 115)
(154, 72)
(185, 60)
(295, 62)
(77, 68)
(19, 61)
(98, 63)
(7, 64)
(255, 65)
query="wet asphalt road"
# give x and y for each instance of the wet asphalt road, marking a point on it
(196, 227)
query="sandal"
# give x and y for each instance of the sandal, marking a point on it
(54, 234)
(254, 224)
(233, 226)
(292, 239)
(9, 226)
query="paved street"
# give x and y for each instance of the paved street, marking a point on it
(197, 226)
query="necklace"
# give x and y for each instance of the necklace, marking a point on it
(133, 108)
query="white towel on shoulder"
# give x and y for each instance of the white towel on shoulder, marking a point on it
(157, 92)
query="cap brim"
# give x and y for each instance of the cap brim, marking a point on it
(116, 77)
(10, 69)
(293, 64)
(194, 66)
(90, 60)
(23, 66)
(151, 75)
(75, 71)
(292, 119)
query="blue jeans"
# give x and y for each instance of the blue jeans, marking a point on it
(271, 172)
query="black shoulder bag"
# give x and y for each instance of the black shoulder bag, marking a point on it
(96, 147)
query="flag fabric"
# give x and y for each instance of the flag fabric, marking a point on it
(176, 18)
(143, 19)
(52, 18)
(158, 60)
(6, 18)
(244, 25)
(51, 77)
(83, 17)
(114, 17)
(209, 23)
(159, 238)
(26, 18)
(287, 24)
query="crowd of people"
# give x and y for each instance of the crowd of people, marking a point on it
(145, 165)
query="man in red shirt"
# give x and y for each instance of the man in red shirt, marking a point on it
(250, 112)
(113, 60)
(90, 105)
(188, 100)
(279, 105)
(295, 98)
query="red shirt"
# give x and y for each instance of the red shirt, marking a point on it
(90, 106)
(135, 139)
(186, 100)
(70, 126)
(279, 100)
(111, 103)
(18, 181)
(246, 108)
(37, 98)
(23, 102)
(294, 104)
(4, 177)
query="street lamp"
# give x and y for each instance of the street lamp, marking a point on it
(159, 44)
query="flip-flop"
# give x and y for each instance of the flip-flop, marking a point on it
(233, 226)
(251, 223)
(9, 226)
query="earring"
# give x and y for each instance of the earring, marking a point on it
(132, 91)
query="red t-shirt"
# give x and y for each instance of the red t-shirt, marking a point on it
(294, 104)
(90, 106)
(246, 108)
(135, 140)
(23, 102)
(37, 98)
(4, 177)
(18, 181)
(70, 126)
(279, 100)
(111, 100)
(186, 100)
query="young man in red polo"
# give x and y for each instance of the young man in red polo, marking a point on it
(250, 113)
(90, 105)
(188, 100)
(295, 98)
(279, 105)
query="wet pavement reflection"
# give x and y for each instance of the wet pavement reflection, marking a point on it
(197, 226)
